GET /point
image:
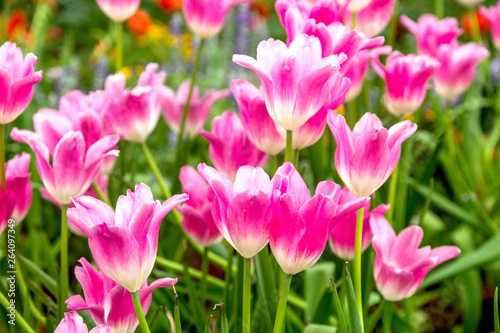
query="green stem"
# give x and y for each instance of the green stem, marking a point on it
(154, 167)
(392, 193)
(295, 157)
(177, 314)
(439, 8)
(24, 292)
(357, 262)
(246, 295)
(138, 311)
(2, 157)
(119, 46)
(393, 25)
(280, 313)
(289, 149)
(25, 327)
(375, 317)
(229, 272)
(103, 197)
(353, 114)
(274, 163)
(204, 270)
(64, 279)
(353, 20)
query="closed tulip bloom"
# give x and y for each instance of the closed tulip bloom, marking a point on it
(374, 18)
(492, 15)
(458, 68)
(123, 243)
(243, 211)
(367, 155)
(205, 18)
(296, 79)
(343, 235)
(197, 219)
(17, 78)
(107, 302)
(73, 323)
(324, 11)
(400, 266)
(260, 127)
(303, 223)
(406, 81)
(74, 165)
(230, 147)
(119, 10)
(431, 32)
(199, 108)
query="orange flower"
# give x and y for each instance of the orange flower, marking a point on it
(169, 6)
(466, 22)
(139, 23)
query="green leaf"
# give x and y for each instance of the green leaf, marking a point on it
(338, 309)
(495, 311)
(471, 300)
(353, 307)
(315, 328)
(196, 307)
(316, 283)
(266, 283)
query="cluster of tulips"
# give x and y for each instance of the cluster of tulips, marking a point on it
(323, 63)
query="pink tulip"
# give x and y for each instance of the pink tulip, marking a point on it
(366, 157)
(205, 18)
(301, 224)
(199, 108)
(324, 11)
(243, 210)
(17, 78)
(492, 15)
(17, 195)
(119, 10)
(431, 32)
(197, 220)
(296, 80)
(107, 302)
(74, 165)
(230, 147)
(73, 323)
(356, 6)
(400, 266)
(458, 68)
(260, 127)
(343, 235)
(406, 80)
(374, 18)
(124, 243)
(135, 113)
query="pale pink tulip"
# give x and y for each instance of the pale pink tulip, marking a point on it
(366, 157)
(458, 68)
(230, 147)
(199, 107)
(124, 244)
(406, 80)
(355, 6)
(374, 18)
(470, 3)
(343, 235)
(197, 219)
(243, 211)
(73, 323)
(107, 302)
(296, 79)
(17, 78)
(205, 18)
(302, 223)
(400, 266)
(492, 15)
(119, 10)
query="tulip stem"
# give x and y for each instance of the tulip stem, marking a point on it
(353, 20)
(392, 194)
(156, 170)
(139, 312)
(119, 46)
(393, 25)
(280, 313)
(2, 158)
(103, 197)
(439, 8)
(64, 279)
(246, 295)
(289, 149)
(25, 327)
(357, 263)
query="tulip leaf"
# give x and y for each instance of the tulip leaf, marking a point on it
(495, 311)
(352, 305)
(316, 328)
(196, 307)
(338, 309)
(471, 299)
(316, 283)
(266, 284)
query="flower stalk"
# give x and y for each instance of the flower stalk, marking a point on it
(138, 311)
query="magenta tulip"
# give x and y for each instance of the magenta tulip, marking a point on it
(73, 323)
(205, 18)
(342, 237)
(406, 80)
(230, 147)
(458, 68)
(324, 11)
(431, 32)
(107, 302)
(400, 266)
(366, 157)
(119, 10)
(374, 18)
(197, 220)
(17, 78)
(124, 243)
(199, 108)
(243, 211)
(296, 80)
(492, 15)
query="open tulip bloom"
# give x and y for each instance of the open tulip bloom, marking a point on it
(492, 15)
(73, 323)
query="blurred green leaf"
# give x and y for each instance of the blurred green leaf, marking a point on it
(316, 283)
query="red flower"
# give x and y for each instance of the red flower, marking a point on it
(139, 23)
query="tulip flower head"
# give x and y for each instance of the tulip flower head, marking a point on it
(243, 210)
(400, 266)
(492, 15)
(322, 11)
(373, 19)
(406, 81)
(18, 77)
(123, 243)
(119, 10)
(73, 323)
(108, 303)
(470, 3)
(367, 155)
(355, 6)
